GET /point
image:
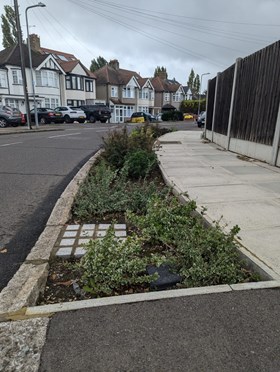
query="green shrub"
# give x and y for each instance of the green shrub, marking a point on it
(202, 256)
(116, 146)
(174, 115)
(107, 191)
(111, 265)
(139, 163)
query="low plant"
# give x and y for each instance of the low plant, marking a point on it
(110, 265)
(202, 256)
(107, 191)
(139, 163)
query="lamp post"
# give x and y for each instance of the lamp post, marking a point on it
(30, 61)
(201, 76)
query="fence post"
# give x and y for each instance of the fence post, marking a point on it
(236, 70)
(276, 140)
(215, 105)
(206, 108)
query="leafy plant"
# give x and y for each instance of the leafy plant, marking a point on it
(111, 265)
(139, 163)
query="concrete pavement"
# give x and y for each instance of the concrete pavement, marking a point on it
(242, 191)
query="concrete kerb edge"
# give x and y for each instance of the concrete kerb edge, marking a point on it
(32, 131)
(251, 261)
(29, 281)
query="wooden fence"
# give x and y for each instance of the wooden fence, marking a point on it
(251, 90)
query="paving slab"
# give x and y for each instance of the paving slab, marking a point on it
(244, 193)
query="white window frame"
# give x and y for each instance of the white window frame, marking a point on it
(128, 92)
(166, 97)
(17, 77)
(89, 85)
(3, 79)
(12, 102)
(114, 92)
(45, 78)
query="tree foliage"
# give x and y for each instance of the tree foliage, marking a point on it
(8, 25)
(159, 70)
(97, 63)
(191, 78)
(196, 85)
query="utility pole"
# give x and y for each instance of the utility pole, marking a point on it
(22, 60)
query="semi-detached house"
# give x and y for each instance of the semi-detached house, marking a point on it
(124, 91)
(60, 78)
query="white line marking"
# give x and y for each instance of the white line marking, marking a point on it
(64, 135)
(9, 144)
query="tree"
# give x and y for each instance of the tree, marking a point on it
(97, 63)
(159, 70)
(196, 85)
(190, 82)
(9, 29)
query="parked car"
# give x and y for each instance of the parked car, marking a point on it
(141, 117)
(188, 116)
(159, 116)
(47, 115)
(10, 116)
(71, 114)
(201, 119)
(95, 113)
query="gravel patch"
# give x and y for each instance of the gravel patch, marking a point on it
(21, 344)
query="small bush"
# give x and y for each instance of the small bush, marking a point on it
(116, 146)
(172, 116)
(140, 163)
(111, 265)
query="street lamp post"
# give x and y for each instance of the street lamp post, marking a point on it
(201, 76)
(30, 61)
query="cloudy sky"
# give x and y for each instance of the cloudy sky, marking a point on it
(206, 35)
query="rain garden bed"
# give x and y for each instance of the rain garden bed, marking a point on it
(167, 244)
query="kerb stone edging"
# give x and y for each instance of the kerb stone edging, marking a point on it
(27, 283)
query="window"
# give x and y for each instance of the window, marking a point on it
(89, 85)
(17, 77)
(3, 79)
(114, 91)
(143, 108)
(47, 102)
(74, 82)
(166, 97)
(12, 102)
(144, 93)
(128, 111)
(46, 78)
(176, 97)
(75, 103)
(128, 92)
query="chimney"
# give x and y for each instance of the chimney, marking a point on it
(35, 42)
(115, 64)
(162, 75)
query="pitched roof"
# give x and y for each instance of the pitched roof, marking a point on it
(11, 56)
(109, 75)
(68, 56)
(165, 85)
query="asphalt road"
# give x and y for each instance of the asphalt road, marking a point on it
(35, 168)
(229, 332)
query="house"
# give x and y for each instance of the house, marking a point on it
(188, 92)
(168, 93)
(78, 85)
(47, 74)
(124, 91)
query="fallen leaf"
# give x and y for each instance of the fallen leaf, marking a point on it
(66, 284)
(4, 250)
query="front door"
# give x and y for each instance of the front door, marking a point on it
(119, 114)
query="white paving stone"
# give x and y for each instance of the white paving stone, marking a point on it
(87, 234)
(73, 227)
(103, 226)
(84, 241)
(88, 226)
(79, 252)
(101, 234)
(70, 234)
(120, 226)
(64, 252)
(66, 242)
(120, 233)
